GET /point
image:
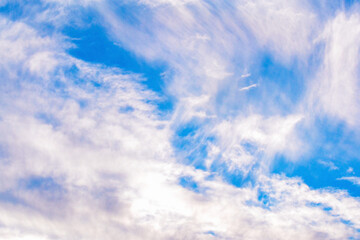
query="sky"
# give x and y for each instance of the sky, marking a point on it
(179, 119)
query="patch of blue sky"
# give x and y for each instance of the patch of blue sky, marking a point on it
(282, 85)
(191, 148)
(41, 183)
(250, 148)
(234, 177)
(349, 3)
(272, 87)
(16, 9)
(265, 200)
(326, 9)
(47, 187)
(188, 130)
(219, 168)
(346, 222)
(189, 183)
(83, 103)
(59, 88)
(320, 205)
(317, 176)
(73, 74)
(212, 233)
(230, 175)
(126, 109)
(263, 197)
(130, 11)
(190, 144)
(9, 197)
(230, 104)
(47, 119)
(94, 45)
(335, 154)
(197, 156)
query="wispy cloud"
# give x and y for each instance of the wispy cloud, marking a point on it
(334, 90)
(328, 164)
(245, 75)
(354, 180)
(248, 87)
(87, 153)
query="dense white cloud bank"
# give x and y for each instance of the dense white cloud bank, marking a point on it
(86, 154)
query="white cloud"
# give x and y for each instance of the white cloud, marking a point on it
(245, 141)
(354, 180)
(335, 89)
(248, 87)
(206, 70)
(115, 169)
(285, 27)
(328, 164)
(18, 43)
(245, 75)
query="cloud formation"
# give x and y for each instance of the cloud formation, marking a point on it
(87, 152)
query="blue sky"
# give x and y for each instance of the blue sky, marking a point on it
(179, 119)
